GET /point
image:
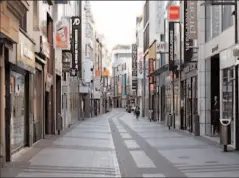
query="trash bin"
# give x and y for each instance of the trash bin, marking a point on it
(169, 120)
(59, 125)
(196, 125)
(225, 133)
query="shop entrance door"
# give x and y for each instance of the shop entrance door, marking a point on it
(18, 121)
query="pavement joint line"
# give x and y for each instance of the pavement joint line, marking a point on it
(127, 165)
(116, 164)
(154, 155)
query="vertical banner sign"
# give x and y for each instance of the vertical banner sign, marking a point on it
(75, 45)
(134, 66)
(188, 52)
(192, 20)
(171, 45)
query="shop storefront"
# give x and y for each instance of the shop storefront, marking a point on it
(228, 90)
(20, 78)
(189, 100)
(9, 36)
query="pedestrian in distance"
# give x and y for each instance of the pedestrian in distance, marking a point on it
(137, 112)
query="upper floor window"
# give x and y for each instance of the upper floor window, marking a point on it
(227, 18)
(216, 23)
(23, 22)
(208, 24)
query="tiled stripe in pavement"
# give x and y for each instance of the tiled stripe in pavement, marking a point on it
(142, 160)
(66, 171)
(162, 164)
(131, 144)
(153, 175)
(125, 136)
(74, 147)
(85, 137)
(127, 165)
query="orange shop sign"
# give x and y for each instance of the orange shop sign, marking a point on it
(173, 13)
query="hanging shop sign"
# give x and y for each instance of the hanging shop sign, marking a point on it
(171, 45)
(76, 40)
(188, 43)
(62, 39)
(26, 49)
(134, 66)
(66, 61)
(173, 13)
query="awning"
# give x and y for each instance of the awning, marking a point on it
(159, 71)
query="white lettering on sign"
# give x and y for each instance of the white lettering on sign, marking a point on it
(76, 49)
(76, 21)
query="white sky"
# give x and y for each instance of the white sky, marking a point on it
(117, 20)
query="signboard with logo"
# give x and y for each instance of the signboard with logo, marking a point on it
(171, 45)
(66, 61)
(192, 20)
(62, 40)
(188, 52)
(26, 53)
(161, 47)
(173, 13)
(134, 66)
(76, 40)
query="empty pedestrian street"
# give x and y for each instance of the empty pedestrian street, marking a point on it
(117, 145)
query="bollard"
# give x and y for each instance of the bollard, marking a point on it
(225, 134)
(169, 120)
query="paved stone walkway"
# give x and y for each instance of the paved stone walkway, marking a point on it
(159, 152)
(118, 145)
(86, 150)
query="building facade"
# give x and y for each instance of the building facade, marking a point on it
(204, 81)
(217, 69)
(122, 75)
(24, 68)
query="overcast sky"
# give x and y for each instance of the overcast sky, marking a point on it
(117, 20)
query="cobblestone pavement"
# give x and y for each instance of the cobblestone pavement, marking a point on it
(118, 145)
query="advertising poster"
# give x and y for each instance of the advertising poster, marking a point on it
(62, 40)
